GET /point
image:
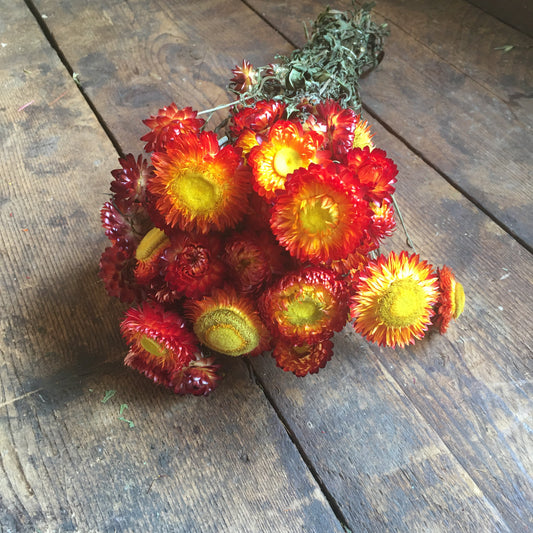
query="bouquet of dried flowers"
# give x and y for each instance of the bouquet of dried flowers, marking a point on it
(264, 233)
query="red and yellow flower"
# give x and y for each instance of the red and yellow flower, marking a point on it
(376, 173)
(306, 306)
(286, 149)
(160, 343)
(302, 360)
(169, 124)
(451, 301)
(393, 304)
(319, 217)
(228, 323)
(199, 186)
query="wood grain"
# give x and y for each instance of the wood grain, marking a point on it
(70, 462)
(478, 138)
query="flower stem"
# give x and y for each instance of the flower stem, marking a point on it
(407, 237)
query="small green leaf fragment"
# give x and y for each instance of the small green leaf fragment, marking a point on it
(506, 48)
(123, 407)
(108, 395)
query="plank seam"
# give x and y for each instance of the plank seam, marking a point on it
(53, 43)
(292, 436)
(418, 153)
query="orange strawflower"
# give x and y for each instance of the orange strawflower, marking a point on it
(306, 306)
(199, 186)
(286, 149)
(302, 360)
(394, 301)
(452, 299)
(319, 216)
(169, 124)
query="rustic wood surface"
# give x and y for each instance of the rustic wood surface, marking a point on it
(436, 437)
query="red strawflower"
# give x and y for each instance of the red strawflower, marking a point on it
(258, 118)
(382, 222)
(376, 173)
(125, 229)
(243, 77)
(302, 360)
(129, 183)
(306, 306)
(248, 264)
(160, 343)
(169, 124)
(339, 125)
(192, 266)
(199, 378)
(117, 272)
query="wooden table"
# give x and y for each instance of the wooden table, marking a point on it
(435, 437)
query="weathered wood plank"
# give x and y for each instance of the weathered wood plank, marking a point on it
(70, 463)
(474, 136)
(473, 386)
(443, 478)
(67, 461)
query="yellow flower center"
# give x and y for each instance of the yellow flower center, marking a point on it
(153, 241)
(459, 297)
(287, 160)
(402, 304)
(319, 214)
(196, 191)
(225, 331)
(153, 347)
(301, 312)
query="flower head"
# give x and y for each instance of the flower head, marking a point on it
(247, 262)
(129, 183)
(302, 360)
(319, 216)
(199, 186)
(160, 343)
(192, 266)
(306, 306)
(228, 323)
(117, 272)
(394, 301)
(286, 149)
(258, 118)
(168, 124)
(199, 377)
(339, 125)
(243, 77)
(376, 173)
(451, 301)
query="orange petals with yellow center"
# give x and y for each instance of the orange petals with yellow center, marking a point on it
(394, 300)
(199, 186)
(319, 216)
(286, 149)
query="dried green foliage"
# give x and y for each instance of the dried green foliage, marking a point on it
(341, 48)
